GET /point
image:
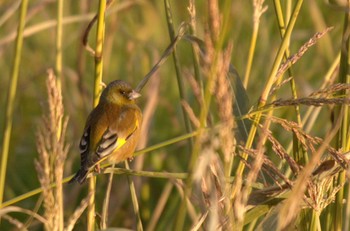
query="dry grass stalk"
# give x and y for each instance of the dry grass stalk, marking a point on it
(213, 188)
(224, 98)
(214, 20)
(309, 142)
(331, 89)
(192, 12)
(52, 154)
(294, 58)
(190, 114)
(281, 152)
(214, 163)
(306, 140)
(199, 224)
(195, 87)
(259, 9)
(279, 85)
(159, 209)
(343, 159)
(77, 213)
(209, 176)
(241, 199)
(190, 207)
(10, 209)
(268, 167)
(320, 193)
(19, 225)
(292, 206)
(152, 100)
(310, 102)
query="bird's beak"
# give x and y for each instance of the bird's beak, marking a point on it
(134, 95)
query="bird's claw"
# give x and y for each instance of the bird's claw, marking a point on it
(103, 84)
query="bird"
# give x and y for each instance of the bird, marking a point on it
(112, 129)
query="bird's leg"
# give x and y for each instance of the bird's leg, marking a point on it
(130, 159)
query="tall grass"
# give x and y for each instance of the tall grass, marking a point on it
(11, 98)
(216, 152)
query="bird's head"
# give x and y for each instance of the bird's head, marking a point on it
(119, 92)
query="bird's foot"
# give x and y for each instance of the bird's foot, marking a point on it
(103, 85)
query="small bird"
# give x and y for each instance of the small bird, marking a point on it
(112, 129)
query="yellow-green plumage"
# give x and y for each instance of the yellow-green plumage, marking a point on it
(112, 129)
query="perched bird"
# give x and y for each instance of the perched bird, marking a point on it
(112, 129)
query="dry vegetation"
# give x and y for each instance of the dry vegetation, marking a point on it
(268, 151)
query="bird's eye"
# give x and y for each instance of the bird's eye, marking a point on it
(122, 92)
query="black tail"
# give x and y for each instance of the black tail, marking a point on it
(79, 177)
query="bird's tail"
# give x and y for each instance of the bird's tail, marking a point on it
(80, 176)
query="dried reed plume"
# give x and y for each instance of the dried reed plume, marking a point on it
(214, 163)
(52, 154)
(294, 58)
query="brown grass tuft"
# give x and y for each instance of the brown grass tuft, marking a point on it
(52, 154)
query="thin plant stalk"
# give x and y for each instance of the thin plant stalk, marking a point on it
(97, 91)
(91, 204)
(9, 12)
(181, 214)
(343, 112)
(300, 155)
(160, 207)
(258, 10)
(179, 76)
(163, 58)
(195, 51)
(270, 82)
(282, 29)
(135, 203)
(347, 212)
(104, 216)
(315, 220)
(312, 112)
(11, 98)
(59, 33)
(100, 33)
(48, 24)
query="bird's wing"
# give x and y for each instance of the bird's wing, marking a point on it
(114, 136)
(109, 142)
(84, 148)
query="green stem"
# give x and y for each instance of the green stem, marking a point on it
(98, 51)
(256, 23)
(11, 98)
(343, 111)
(315, 221)
(179, 77)
(270, 82)
(300, 154)
(97, 91)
